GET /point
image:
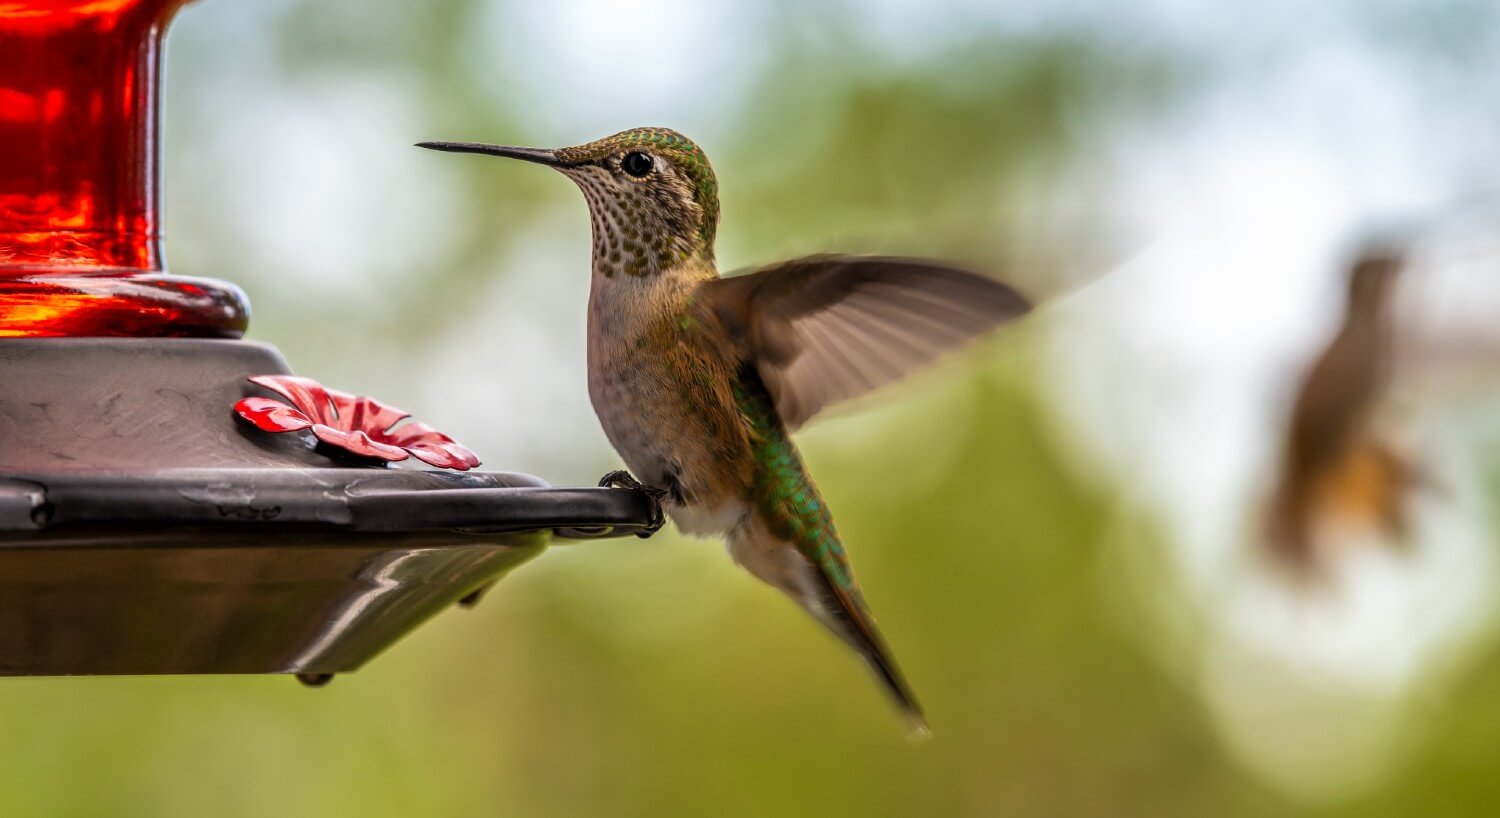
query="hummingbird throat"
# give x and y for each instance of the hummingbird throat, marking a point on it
(640, 231)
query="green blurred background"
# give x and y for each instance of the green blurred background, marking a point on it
(1040, 607)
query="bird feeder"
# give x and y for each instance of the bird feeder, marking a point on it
(148, 523)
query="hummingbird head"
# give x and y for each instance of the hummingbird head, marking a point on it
(653, 198)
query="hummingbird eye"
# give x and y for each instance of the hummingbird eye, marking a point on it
(637, 164)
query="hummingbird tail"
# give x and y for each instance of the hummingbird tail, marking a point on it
(843, 611)
(839, 606)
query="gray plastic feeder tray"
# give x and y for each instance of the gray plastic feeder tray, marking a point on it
(145, 529)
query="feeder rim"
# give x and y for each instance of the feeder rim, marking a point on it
(352, 499)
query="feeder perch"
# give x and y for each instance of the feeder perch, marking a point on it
(145, 526)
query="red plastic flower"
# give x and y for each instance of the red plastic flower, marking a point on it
(358, 425)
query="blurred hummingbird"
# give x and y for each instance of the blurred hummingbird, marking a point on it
(1334, 464)
(698, 380)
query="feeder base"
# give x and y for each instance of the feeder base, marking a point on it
(144, 528)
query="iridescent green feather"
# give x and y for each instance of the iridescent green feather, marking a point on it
(782, 492)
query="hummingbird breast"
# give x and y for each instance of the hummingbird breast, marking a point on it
(662, 388)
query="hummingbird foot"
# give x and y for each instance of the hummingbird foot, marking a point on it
(473, 597)
(621, 479)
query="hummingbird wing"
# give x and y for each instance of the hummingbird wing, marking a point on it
(827, 328)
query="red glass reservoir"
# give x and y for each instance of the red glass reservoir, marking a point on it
(80, 237)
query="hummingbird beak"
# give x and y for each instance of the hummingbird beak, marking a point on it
(537, 155)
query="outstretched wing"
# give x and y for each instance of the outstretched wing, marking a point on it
(823, 329)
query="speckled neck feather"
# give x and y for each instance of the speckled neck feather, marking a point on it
(643, 227)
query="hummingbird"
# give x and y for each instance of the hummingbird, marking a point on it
(1335, 465)
(699, 379)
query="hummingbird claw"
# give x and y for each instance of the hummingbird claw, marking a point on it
(621, 479)
(473, 597)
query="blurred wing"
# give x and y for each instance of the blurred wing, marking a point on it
(823, 329)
